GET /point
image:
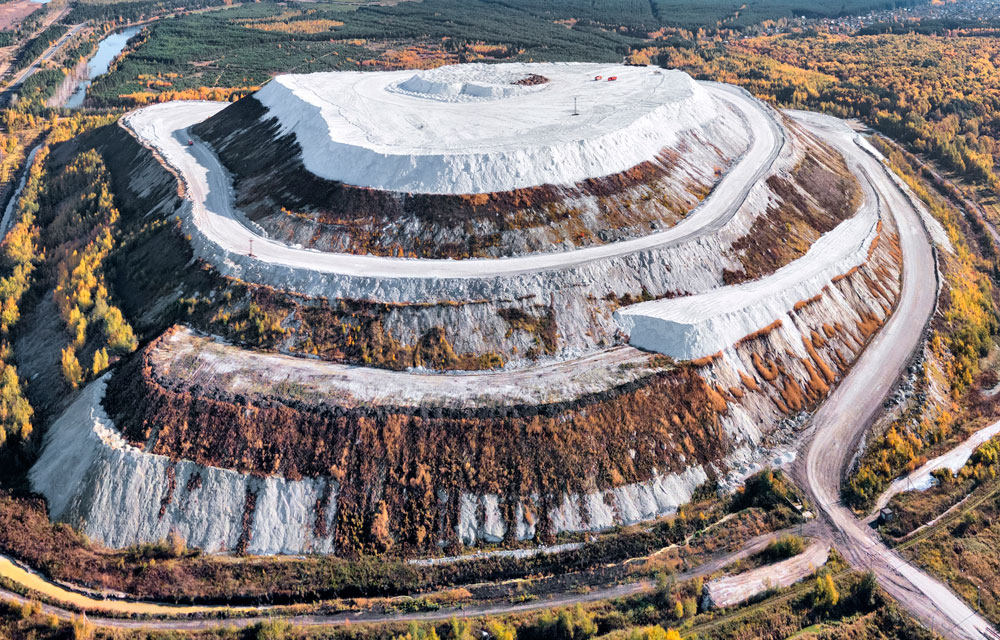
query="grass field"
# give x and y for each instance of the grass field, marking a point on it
(12, 13)
(245, 46)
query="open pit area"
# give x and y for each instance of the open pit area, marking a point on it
(404, 312)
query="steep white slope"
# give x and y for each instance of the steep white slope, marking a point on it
(121, 496)
(472, 129)
(696, 326)
(220, 235)
(481, 518)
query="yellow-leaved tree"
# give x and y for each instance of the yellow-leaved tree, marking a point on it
(71, 368)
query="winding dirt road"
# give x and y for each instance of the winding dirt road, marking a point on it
(57, 592)
(164, 127)
(841, 422)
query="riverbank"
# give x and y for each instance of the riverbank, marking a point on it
(73, 91)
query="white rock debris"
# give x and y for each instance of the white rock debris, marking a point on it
(735, 589)
(691, 327)
(121, 496)
(186, 354)
(220, 236)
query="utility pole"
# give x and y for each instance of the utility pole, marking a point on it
(575, 111)
(251, 248)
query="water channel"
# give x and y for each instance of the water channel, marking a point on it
(107, 50)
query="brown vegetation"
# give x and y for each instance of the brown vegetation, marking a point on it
(802, 304)
(760, 333)
(706, 360)
(767, 370)
(819, 194)
(396, 458)
(531, 80)
(543, 327)
(334, 216)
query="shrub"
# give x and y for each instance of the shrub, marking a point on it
(569, 624)
(71, 367)
(655, 632)
(15, 411)
(825, 595)
(272, 629)
(82, 629)
(500, 631)
(866, 592)
(765, 489)
(458, 630)
(100, 361)
(784, 547)
(30, 609)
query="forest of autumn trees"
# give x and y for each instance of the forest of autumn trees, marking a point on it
(19, 253)
(965, 333)
(78, 239)
(63, 228)
(938, 95)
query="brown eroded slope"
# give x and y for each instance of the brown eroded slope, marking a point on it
(403, 469)
(293, 205)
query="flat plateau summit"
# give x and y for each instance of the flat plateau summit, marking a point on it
(477, 128)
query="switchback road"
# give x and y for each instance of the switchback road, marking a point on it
(838, 425)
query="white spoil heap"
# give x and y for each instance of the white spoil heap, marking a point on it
(697, 326)
(120, 496)
(476, 128)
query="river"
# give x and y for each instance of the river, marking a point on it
(107, 50)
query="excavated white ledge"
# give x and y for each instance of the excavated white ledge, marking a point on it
(696, 326)
(471, 129)
(189, 355)
(729, 591)
(105, 485)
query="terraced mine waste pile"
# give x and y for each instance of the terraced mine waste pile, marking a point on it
(413, 311)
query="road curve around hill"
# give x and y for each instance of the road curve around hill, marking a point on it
(837, 426)
(842, 420)
(164, 128)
